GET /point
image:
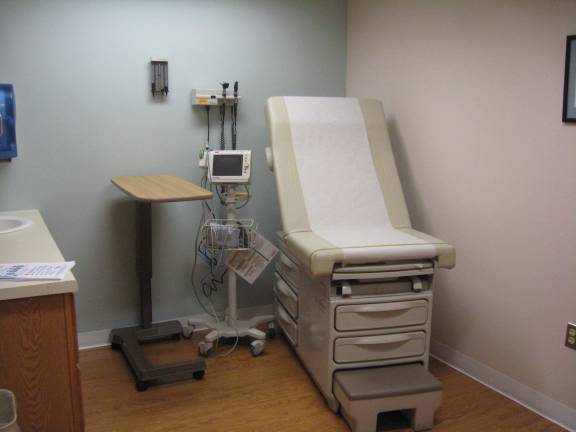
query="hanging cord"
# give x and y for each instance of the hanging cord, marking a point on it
(222, 119)
(223, 116)
(207, 212)
(210, 311)
(247, 198)
(233, 123)
(208, 121)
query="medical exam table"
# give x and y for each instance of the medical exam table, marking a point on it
(354, 279)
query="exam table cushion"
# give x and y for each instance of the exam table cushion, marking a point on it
(340, 195)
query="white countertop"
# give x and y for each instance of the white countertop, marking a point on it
(34, 244)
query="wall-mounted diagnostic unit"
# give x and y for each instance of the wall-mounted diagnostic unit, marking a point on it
(229, 166)
(7, 122)
(208, 97)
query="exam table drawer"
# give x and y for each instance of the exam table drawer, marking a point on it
(289, 270)
(286, 296)
(381, 315)
(287, 324)
(381, 347)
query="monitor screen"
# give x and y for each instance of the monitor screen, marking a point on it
(227, 165)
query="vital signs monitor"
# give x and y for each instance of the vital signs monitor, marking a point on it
(229, 166)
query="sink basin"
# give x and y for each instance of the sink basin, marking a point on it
(9, 224)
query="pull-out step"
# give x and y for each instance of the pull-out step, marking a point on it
(364, 393)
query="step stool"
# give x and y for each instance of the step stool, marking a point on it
(364, 393)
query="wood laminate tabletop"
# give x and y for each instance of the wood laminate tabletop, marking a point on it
(160, 188)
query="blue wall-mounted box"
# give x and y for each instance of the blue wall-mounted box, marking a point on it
(7, 122)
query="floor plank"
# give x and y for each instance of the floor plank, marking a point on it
(271, 393)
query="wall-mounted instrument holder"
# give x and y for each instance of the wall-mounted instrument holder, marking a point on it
(159, 77)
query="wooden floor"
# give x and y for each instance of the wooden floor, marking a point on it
(269, 393)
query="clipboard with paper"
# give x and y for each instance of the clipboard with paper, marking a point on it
(249, 264)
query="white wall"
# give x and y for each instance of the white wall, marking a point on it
(473, 94)
(84, 114)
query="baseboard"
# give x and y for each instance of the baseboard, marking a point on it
(100, 338)
(541, 404)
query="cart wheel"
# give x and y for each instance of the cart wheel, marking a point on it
(271, 330)
(142, 385)
(204, 348)
(257, 347)
(199, 374)
(115, 346)
(188, 332)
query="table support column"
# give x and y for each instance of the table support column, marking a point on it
(144, 261)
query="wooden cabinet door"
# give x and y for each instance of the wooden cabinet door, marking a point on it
(39, 362)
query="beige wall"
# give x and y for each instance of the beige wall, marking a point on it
(473, 93)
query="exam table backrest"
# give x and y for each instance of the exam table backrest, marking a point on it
(351, 183)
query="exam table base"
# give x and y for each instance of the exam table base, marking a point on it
(241, 329)
(129, 339)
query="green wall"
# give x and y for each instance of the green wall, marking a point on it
(84, 114)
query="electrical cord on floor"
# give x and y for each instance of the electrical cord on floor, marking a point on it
(231, 350)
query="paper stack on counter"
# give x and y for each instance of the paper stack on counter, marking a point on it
(35, 271)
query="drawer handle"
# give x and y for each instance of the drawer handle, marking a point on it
(284, 289)
(287, 261)
(389, 339)
(375, 308)
(283, 316)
